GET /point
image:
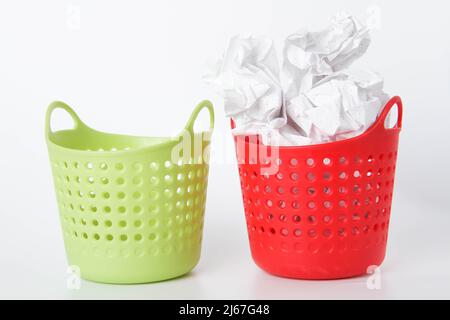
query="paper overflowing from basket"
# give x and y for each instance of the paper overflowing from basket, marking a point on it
(313, 97)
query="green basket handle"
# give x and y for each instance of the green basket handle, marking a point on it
(60, 105)
(204, 104)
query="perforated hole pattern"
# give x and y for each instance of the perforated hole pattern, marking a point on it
(320, 211)
(328, 206)
(112, 208)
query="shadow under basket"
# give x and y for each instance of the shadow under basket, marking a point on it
(320, 211)
(129, 212)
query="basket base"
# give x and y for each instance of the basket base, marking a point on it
(141, 280)
(134, 270)
(310, 270)
(310, 275)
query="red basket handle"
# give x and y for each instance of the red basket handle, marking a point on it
(394, 101)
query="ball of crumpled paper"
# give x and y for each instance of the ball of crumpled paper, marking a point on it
(312, 97)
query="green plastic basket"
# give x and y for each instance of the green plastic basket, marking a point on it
(131, 208)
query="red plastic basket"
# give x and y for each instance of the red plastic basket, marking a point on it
(324, 212)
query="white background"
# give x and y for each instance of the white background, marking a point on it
(135, 67)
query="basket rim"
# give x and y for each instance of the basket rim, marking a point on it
(396, 100)
(141, 149)
(80, 126)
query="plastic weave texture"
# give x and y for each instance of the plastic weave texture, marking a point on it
(323, 211)
(129, 213)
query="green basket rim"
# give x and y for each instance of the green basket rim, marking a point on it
(80, 125)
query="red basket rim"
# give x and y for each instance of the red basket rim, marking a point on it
(377, 125)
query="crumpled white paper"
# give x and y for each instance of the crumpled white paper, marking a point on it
(314, 99)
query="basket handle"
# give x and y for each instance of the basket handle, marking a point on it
(394, 101)
(60, 105)
(204, 104)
